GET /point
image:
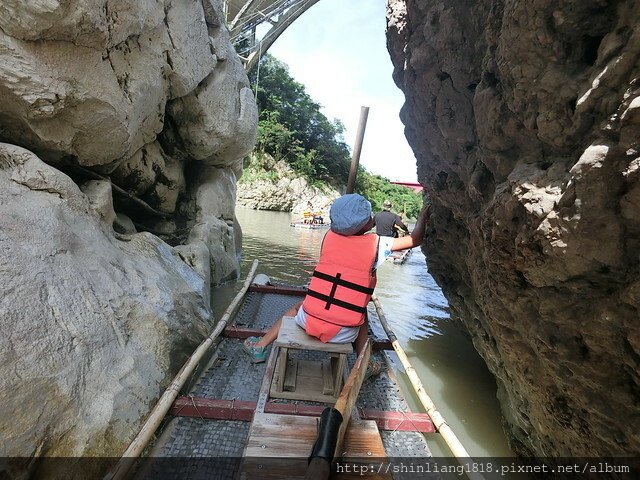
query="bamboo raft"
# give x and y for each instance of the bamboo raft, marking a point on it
(229, 426)
(310, 226)
(398, 258)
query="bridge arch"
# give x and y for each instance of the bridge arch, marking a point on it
(256, 24)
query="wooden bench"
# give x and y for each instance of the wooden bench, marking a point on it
(296, 379)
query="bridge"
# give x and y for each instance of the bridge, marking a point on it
(416, 187)
(256, 24)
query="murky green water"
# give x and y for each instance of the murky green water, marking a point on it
(452, 372)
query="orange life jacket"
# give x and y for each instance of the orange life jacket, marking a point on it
(341, 285)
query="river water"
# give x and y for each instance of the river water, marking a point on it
(454, 375)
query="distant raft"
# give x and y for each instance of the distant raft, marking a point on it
(398, 258)
(310, 226)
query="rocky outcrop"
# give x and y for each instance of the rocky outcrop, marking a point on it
(524, 120)
(273, 185)
(94, 324)
(118, 117)
(138, 91)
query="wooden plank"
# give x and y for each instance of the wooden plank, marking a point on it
(274, 435)
(309, 384)
(213, 409)
(279, 290)
(347, 399)
(399, 421)
(291, 374)
(289, 439)
(340, 366)
(327, 377)
(362, 439)
(242, 333)
(281, 369)
(263, 395)
(219, 409)
(291, 335)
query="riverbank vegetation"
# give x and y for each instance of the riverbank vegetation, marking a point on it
(293, 128)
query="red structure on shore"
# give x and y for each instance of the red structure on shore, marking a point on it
(416, 187)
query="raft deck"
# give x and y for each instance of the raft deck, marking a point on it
(209, 430)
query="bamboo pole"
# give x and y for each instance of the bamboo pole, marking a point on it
(441, 425)
(168, 397)
(357, 148)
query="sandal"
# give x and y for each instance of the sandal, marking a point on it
(256, 354)
(374, 367)
(251, 341)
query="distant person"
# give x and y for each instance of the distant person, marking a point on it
(334, 309)
(313, 217)
(308, 213)
(386, 222)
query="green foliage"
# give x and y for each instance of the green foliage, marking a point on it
(259, 167)
(273, 137)
(377, 189)
(291, 127)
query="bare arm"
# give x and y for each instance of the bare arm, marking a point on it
(400, 224)
(416, 236)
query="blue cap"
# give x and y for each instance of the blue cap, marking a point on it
(349, 214)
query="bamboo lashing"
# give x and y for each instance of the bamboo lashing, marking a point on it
(441, 425)
(168, 397)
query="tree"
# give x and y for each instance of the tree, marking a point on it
(291, 127)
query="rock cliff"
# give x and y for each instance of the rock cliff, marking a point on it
(273, 185)
(122, 122)
(525, 120)
(151, 94)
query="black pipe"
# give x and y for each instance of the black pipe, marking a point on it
(327, 440)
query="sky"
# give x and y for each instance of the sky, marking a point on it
(337, 49)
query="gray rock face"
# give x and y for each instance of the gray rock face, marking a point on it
(282, 191)
(217, 121)
(135, 90)
(94, 327)
(216, 226)
(524, 119)
(139, 103)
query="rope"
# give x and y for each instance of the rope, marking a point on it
(195, 406)
(258, 74)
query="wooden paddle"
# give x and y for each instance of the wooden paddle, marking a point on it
(320, 466)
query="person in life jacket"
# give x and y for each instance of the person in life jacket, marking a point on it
(335, 307)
